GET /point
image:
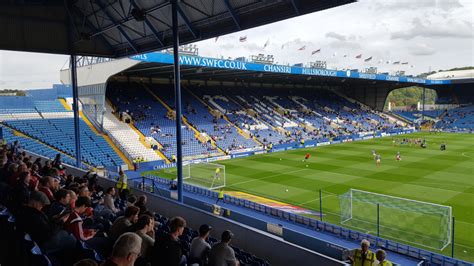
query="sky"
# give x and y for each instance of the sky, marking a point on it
(428, 34)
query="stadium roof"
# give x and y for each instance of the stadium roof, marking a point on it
(117, 28)
(202, 68)
(453, 74)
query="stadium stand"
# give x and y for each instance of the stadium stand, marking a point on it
(127, 138)
(458, 119)
(26, 222)
(49, 128)
(414, 115)
(59, 133)
(228, 120)
(213, 125)
(154, 120)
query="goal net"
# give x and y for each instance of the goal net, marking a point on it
(207, 175)
(415, 222)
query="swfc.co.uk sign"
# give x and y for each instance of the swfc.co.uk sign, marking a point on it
(240, 65)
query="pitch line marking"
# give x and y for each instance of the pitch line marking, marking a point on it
(265, 177)
(306, 202)
(464, 154)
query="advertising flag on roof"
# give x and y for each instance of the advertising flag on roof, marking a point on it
(243, 38)
(396, 63)
(266, 43)
(302, 48)
(405, 63)
(368, 59)
(359, 56)
(316, 51)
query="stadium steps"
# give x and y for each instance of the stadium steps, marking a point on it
(24, 135)
(257, 118)
(108, 140)
(185, 121)
(64, 103)
(141, 138)
(223, 115)
(142, 141)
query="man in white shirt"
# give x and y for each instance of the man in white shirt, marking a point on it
(199, 247)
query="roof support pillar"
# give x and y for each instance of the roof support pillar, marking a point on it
(177, 96)
(75, 108)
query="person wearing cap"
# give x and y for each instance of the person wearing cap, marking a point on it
(381, 258)
(199, 250)
(33, 221)
(222, 254)
(362, 256)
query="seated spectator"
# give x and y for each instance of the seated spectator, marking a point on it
(21, 191)
(222, 254)
(74, 222)
(122, 224)
(199, 247)
(57, 163)
(141, 204)
(46, 168)
(72, 202)
(109, 200)
(46, 233)
(35, 177)
(47, 185)
(61, 203)
(145, 228)
(167, 249)
(84, 191)
(125, 251)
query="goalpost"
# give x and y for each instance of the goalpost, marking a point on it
(415, 222)
(207, 175)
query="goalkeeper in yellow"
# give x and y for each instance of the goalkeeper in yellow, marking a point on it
(217, 174)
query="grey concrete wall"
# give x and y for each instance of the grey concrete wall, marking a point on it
(262, 244)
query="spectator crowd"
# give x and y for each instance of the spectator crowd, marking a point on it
(66, 215)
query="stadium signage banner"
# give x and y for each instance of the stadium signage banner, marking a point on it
(240, 65)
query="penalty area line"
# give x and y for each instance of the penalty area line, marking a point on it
(266, 177)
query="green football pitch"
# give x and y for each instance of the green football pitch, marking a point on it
(428, 175)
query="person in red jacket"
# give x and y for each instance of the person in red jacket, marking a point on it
(74, 223)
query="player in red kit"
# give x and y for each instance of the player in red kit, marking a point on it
(306, 157)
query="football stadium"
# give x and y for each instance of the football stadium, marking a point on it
(149, 153)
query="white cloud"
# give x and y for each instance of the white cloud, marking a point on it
(336, 36)
(422, 49)
(29, 70)
(449, 29)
